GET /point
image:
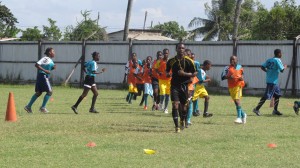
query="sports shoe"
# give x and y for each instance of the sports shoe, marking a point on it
(74, 109)
(196, 113)
(206, 115)
(238, 121)
(296, 107)
(257, 112)
(177, 129)
(44, 110)
(28, 109)
(275, 112)
(93, 110)
(166, 111)
(145, 107)
(244, 119)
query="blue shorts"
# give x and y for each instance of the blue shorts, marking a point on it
(272, 90)
(148, 89)
(42, 83)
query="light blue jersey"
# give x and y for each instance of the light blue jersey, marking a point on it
(197, 65)
(46, 63)
(91, 67)
(273, 67)
(201, 76)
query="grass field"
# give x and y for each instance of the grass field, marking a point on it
(121, 132)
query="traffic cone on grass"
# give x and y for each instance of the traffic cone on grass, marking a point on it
(11, 114)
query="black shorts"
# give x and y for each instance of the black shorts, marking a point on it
(140, 88)
(89, 81)
(155, 83)
(179, 93)
(42, 83)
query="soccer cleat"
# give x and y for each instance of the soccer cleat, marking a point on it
(296, 107)
(28, 109)
(244, 119)
(166, 111)
(197, 113)
(238, 121)
(74, 109)
(207, 115)
(92, 110)
(177, 130)
(275, 112)
(145, 107)
(257, 112)
(44, 110)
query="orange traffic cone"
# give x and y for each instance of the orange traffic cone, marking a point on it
(11, 114)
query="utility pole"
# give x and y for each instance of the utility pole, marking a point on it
(127, 20)
(145, 20)
(236, 25)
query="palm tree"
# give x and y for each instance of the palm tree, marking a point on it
(218, 23)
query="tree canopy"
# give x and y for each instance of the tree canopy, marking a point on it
(172, 30)
(7, 23)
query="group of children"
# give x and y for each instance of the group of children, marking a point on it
(154, 78)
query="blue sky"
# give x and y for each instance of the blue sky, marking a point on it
(32, 13)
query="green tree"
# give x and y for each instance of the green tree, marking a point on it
(219, 23)
(31, 34)
(7, 23)
(280, 23)
(86, 29)
(172, 30)
(51, 33)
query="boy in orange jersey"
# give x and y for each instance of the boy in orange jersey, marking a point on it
(164, 81)
(154, 79)
(234, 75)
(140, 81)
(147, 73)
(131, 80)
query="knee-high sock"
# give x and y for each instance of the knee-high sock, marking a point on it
(276, 103)
(127, 97)
(46, 98)
(146, 99)
(130, 97)
(167, 101)
(175, 116)
(195, 105)
(32, 100)
(143, 99)
(93, 102)
(261, 102)
(190, 111)
(161, 99)
(205, 106)
(78, 101)
(239, 111)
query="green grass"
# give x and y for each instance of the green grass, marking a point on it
(121, 132)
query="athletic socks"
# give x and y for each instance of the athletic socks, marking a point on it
(93, 102)
(276, 103)
(175, 117)
(32, 100)
(146, 99)
(161, 99)
(261, 102)
(205, 106)
(78, 101)
(167, 101)
(239, 111)
(190, 111)
(46, 98)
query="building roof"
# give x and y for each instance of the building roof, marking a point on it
(140, 34)
(8, 39)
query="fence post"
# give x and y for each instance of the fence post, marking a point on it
(294, 66)
(130, 49)
(82, 62)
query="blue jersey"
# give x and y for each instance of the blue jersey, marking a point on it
(201, 76)
(273, 67)
(197, 65)
(46, 63)
(91, 67)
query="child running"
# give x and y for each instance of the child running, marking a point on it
(234, 75)
(44, 66)
(147, 81)
(89, 83)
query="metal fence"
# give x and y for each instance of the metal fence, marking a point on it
(17, 59)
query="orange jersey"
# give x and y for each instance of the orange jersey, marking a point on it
(154, 74)
(161, 66)
(146, 74)
(235, 73)
(131, 79)
(194, 81)
(139, 73)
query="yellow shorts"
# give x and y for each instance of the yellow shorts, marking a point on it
(199, 91)
(236, 92)
(132, 88)
(164, 87)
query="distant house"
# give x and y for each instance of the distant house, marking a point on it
(8, 39)
(139, 34)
